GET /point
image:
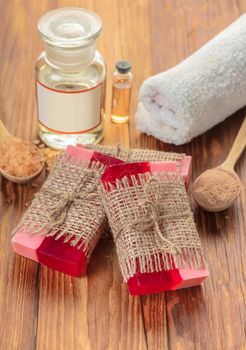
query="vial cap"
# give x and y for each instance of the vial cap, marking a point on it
(123, 67)
(69, 27)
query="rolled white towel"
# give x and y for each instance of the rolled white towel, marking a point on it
(199, 92)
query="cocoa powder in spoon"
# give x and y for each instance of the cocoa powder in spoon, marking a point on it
(216, 189)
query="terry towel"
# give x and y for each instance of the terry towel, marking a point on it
(198, 93)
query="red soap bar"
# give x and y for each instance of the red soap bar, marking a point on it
(117, 172)
(184, 166)
(55, 253)
(62, 257)
(156, 282)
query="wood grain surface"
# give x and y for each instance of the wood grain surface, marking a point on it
(46, 310)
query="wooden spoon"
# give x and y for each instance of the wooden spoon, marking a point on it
(4, 134)
(216, 189)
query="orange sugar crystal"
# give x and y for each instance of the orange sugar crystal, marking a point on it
(19, 158)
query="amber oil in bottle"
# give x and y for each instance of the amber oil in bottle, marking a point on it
(121, 95)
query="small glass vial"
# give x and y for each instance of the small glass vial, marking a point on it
(70, 77)
(121, 95)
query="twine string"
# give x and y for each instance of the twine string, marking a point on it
(58, 213)
(153, 216)
(119, 148)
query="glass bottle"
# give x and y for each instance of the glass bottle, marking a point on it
(70, 77)
(121, 95)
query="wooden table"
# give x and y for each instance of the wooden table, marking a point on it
(47, 310)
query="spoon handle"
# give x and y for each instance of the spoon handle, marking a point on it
(237, 148)
(3, 131)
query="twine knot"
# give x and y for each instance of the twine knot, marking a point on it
(69, 197)
(153, 216)
(58, 213)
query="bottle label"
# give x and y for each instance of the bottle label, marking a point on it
(69, 112)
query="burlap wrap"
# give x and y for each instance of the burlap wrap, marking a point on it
(152, 224)
(68, 206)
(137, 154)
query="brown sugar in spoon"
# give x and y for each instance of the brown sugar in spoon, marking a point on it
(20, 161)
(216, 189)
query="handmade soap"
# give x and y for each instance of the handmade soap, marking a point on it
(65, 220)
(132, 155)
(156, 240)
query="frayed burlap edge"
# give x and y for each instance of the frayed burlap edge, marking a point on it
(137, 154)
(82, 230)
(187, 255)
